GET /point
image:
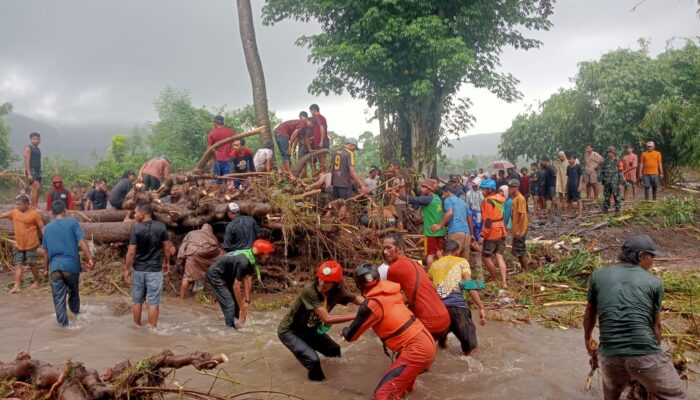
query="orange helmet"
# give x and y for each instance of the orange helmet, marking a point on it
(262, 246)
(330, 271)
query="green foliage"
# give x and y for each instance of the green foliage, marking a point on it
(625, 98)
(6, 155)
(409, 58)
(669, 212)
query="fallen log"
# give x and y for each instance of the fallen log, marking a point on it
(107, 232)
(73, 381)
(301, 164)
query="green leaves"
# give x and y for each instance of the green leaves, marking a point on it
(624, 98)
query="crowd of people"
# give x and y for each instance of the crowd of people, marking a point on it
(411, 305)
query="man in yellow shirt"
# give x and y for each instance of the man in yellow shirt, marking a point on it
(652, 170)
(519, 224)
(27, 225)
(447, 273)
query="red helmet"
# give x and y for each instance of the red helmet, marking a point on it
(330, 271)
(262, 246)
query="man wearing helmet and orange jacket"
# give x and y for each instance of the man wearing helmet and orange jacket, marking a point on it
(386, 313)
(493, 232)
(232, 271)
(303, 329)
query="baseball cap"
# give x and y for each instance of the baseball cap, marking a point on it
(352, 141)
(233, 207)
(219, 119)
(642, 243)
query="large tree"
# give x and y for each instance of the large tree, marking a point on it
(255, 69)
(409, 58)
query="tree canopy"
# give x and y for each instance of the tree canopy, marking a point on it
(6, 155)
(624, 98)
(409, 59)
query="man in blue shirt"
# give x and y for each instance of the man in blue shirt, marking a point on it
(456, 212)
(62, 237)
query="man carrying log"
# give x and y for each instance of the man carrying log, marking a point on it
(149, 257)
(198, 251)
(231, 277)
(303, 330)
(241, 232)
(220, 165)
(27, 225)
(627, 298)
(121, 189)
(63, 238)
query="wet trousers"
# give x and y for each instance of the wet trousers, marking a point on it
(223, 290)
(462, 326)
(611, 190)
(654, 371)
(412, 359)
(304, 347)
(65, 285)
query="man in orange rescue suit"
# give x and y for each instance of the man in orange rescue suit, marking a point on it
(385, 312)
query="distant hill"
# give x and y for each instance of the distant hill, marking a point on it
(485, 144)
(76, 142)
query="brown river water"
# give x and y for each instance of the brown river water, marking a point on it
(513, 362)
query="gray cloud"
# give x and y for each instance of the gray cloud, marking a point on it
(83, 61)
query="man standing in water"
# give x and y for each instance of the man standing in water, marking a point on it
(303, 329)
(63, 238)
(626, 298)
(423, 300)
(32, 166)
(27, 225)
(149, 256)
(385, 312)
(231, 277)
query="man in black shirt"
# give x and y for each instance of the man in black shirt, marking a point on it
(230, 272)
(149, 255)
(241, 232)
(120, 190)
(574, 183)
(549, 183)
(32, 166)
(97, 198)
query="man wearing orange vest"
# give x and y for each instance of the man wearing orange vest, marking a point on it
(385, 312)
(493, 233)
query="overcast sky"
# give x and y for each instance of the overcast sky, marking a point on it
(85, 61)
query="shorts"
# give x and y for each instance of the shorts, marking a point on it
(550, 192)
(341, 193)
(24, 257)
(590, 177)
(463, 240)
(536, 190)
(519, 248)
(573, 195)
(146, 286)
(36, 174)
(433, 244)
(650, 181)
(283, 145)
(495, 246)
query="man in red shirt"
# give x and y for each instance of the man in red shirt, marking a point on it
(220, 166)
(321, 139)
(285, 132)
(423, 300)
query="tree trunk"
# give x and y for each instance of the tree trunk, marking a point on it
(255, 70)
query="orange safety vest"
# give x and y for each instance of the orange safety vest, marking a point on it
(398, 325)
(492, 214)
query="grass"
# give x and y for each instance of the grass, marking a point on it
(667, 213)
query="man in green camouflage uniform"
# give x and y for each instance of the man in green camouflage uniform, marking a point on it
(610, 178)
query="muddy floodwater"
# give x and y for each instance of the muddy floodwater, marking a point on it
(513, 362)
